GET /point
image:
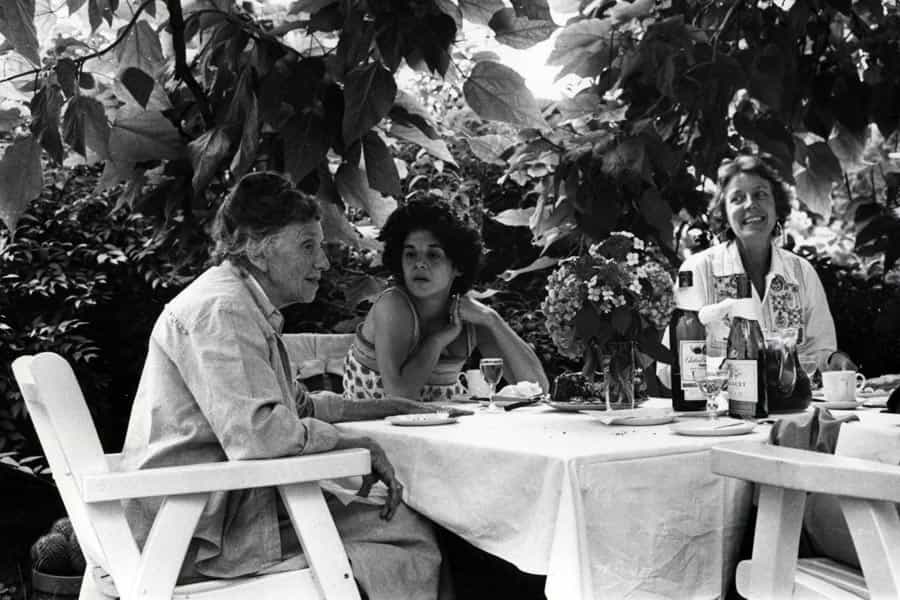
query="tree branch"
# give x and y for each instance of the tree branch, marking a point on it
(182, 70)
(724, 24)
(83, 59)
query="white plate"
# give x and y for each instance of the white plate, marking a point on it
(876, 402)
(719, 427)
(837, 404)
(637, 417)
(576, 406)
(419, 420)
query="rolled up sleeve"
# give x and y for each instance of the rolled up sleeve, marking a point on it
(225, 361)
(820, 337)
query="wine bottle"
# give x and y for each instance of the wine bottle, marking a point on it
(747, 380)
(687, 340)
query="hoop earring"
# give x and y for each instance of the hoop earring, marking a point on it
(779, 234)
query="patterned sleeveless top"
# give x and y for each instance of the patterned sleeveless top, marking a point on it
(362, 380)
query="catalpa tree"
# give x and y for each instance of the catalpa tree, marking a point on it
(670, 88)
(180, 101)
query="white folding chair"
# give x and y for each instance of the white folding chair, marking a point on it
(92, 490)
(866, 490)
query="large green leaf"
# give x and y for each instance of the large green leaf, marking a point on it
(308, 6)
(480, 11)
(436, 148)
(450, 8)
(519, 32)
(100, 10)
(490, 147)
(305, 144)
(139, 84)
(21, 179)
(247, 151)
(10, 119)
(46, 106)
(543, 262)
(139, 135)
(207, 152)
(515, 217)
(577, 38)
(820, 170)
(355, 191)
(17, 26)
(91, 119)
(141, 49)
(369, 93)
(814, 191)
(658, 214)
(498, 93)
(381, 171)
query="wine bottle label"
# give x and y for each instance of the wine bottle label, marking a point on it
(692, 355)
(685, 279)
(743, 387)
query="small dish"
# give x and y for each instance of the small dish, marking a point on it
(420, 419)
(838, 404)
(719, 427)
(636, 417)
(576, 406)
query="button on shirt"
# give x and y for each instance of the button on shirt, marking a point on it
(217, 385)
(794, 296)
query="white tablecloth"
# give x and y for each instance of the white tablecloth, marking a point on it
(603, 511)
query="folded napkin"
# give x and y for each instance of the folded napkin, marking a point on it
(816, 431)
(522, 389)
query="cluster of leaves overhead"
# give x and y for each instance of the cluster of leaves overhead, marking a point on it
(313, 96)
(672, 88)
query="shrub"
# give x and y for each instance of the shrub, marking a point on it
(85, 279)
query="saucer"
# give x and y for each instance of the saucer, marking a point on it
(418, 420)
(719, 427)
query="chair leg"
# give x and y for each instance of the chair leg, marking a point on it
(89, 588)
(320, 540)
(775, 542)
(875, 528)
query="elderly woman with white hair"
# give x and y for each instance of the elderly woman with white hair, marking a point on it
(217, 386)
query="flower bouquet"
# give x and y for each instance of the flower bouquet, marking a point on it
(607, 307)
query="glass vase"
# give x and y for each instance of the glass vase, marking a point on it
(618, 364)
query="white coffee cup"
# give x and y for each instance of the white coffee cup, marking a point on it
(475, 383)
(841, 386)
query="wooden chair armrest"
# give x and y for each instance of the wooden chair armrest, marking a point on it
(806, 470)
(231, 475)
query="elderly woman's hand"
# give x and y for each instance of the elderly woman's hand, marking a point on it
(382, 470)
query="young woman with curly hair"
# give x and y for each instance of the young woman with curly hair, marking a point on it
(420, 332)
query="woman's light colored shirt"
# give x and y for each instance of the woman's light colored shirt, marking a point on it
(217, 385)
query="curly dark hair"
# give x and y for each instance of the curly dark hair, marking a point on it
(756, 164)
(259, 206)
(461, 242)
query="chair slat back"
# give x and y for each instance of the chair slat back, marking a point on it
(318, 353)
(56, 458)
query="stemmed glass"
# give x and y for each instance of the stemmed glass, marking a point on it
(809, 366)
(711, 382)
(492, 370)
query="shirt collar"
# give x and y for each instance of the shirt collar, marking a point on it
(269, 310)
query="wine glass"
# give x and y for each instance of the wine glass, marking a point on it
(492, 370)
(711, 382)
(810, 366)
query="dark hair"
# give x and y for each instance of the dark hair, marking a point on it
(461, 242)
(259, 206)
(756, 164)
